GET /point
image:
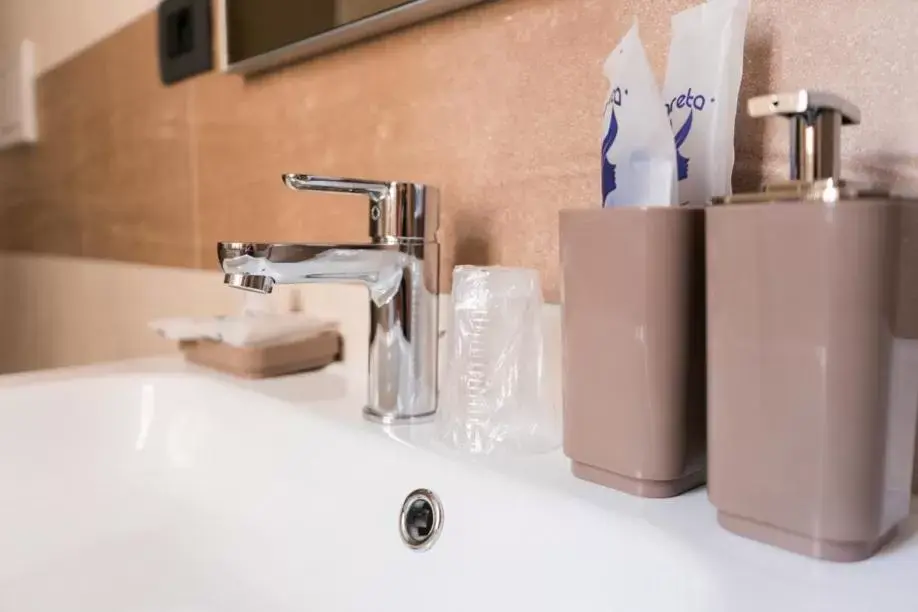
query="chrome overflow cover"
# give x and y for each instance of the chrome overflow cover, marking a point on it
(421, 519)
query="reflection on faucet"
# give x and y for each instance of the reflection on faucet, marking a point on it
(400, 268)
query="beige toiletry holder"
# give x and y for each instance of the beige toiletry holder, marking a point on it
(812, 383)
(633, 347)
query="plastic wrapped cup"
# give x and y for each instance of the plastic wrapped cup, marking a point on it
(493, 396)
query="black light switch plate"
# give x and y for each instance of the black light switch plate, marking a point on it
(185, 39)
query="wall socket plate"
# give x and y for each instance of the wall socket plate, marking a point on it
(185, 39)
(18, 121)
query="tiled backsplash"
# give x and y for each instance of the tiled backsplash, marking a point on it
(498, 105)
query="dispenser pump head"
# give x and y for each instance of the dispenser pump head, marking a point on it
(816, 119)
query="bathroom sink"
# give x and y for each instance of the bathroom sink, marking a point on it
(178, 490)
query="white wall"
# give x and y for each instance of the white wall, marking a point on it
(61, 28)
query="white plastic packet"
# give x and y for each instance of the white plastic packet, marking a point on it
(703, 75)
(638, 154)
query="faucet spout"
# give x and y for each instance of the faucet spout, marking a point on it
(258, 267)
(402, 283)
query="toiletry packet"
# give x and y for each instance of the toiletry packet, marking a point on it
(703, 75)
(638, 154)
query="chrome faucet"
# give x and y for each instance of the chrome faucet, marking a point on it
(399, 266)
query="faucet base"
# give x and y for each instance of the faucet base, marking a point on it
(388, 418)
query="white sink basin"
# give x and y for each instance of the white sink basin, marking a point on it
(182, 491)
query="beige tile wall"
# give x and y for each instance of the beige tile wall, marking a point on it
(498, 106)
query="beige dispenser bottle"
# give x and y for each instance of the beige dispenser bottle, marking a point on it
(812, 369)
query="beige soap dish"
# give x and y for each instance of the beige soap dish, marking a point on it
(266, 361)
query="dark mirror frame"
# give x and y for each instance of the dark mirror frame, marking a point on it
(395, 18)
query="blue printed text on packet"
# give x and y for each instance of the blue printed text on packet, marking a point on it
(638, 152)
(700, 94)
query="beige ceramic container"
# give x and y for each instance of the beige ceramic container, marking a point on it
(812, 362)
(633, 356)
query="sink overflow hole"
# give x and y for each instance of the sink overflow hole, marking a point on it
(421, 519)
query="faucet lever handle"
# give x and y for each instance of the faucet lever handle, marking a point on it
(398, 211)
(816, 119)
(308, 182)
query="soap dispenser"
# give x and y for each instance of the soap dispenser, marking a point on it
(812, 371)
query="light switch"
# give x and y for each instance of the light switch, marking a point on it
(18, 124)
(185, 46)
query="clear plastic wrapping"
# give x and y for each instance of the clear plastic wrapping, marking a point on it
(493, 395)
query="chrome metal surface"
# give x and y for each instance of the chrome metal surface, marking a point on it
(405, 14)
(816, 142)
(801, 102)
(401, 273)
(247, 282)
(816, 119)
(398, 210)
(374, 416)
(421, 519)
(308, 182)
